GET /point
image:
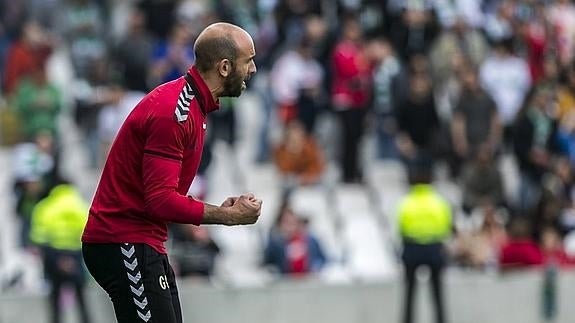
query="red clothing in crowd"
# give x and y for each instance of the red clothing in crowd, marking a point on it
(536, 42)
(351, 75)
(520, 253)
(151, 165)
(297, 254)
(22, 60)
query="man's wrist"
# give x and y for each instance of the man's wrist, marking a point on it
(218, 215)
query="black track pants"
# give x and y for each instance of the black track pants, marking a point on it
(139, 281)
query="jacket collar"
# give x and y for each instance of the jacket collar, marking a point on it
(202, 92)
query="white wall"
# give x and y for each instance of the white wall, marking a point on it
(472, 298)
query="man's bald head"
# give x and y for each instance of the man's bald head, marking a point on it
(217, 42)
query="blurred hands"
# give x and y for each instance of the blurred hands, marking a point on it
(245, 209)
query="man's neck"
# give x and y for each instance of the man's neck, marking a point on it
(212, 83)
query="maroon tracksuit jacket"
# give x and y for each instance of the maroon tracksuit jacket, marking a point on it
(151, 165)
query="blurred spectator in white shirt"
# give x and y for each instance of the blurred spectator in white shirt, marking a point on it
(294, 74)
(562, 19)
(506, 79)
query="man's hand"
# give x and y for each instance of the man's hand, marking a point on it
(230, 201)
(246, 209)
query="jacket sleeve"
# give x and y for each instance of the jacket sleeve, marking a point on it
(39, 224)
(161, 167)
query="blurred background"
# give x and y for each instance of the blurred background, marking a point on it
(371, 129)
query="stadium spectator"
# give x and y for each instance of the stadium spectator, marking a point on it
(521, 250)
(26, 55)
(296, 81)
(171, 57)
(418, 122)
(386, 69)
(561, 15)
(160, 16)
(193, 250)
(133, 53)
(552, 248)
(479, 246)
(475, 121)
(414, 27)
(291, 248)
(82, 24)
(350, 95)
(34, 170)
(459, 40)
(566, 94)
(535, 142)
(417, 64)
(481, 181)
(38, 103)
(298, 158)
(506, 79)
(499, 23)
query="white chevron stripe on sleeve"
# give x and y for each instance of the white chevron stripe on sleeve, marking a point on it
(180, 117)
(188, 92)
(184, 106)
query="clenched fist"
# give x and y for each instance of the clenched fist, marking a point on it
(246, 209)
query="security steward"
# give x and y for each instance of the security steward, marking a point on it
(57, 225)
(424, 223)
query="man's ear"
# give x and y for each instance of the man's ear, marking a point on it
(225, 67)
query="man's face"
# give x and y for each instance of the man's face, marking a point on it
(234, 84)
(242, 69)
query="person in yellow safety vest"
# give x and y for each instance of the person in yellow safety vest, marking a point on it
(57, 225)
(425, 222)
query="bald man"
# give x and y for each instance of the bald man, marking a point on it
(149, 169)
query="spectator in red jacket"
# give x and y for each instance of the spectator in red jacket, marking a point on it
(26, 55)
(350, 94)
(520, 251)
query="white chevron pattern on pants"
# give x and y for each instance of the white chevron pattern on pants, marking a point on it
(135, 278)
(131, 265)
(128, 252)
(136, 285)
(145, 317)
(137, 291)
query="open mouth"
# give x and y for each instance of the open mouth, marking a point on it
(246, 80)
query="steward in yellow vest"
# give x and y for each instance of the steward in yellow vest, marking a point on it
(424, 224)
(57, 225)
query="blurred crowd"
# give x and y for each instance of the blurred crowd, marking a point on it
(459, 84)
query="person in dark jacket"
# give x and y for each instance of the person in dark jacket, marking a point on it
(291, 249)
(535, 142)
(417, 121)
